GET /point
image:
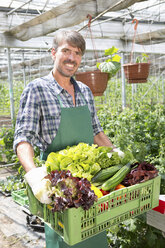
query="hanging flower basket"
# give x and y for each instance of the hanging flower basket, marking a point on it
(136, 73)
(96, 80)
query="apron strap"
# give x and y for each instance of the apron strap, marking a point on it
(60, 101)
(82, 96)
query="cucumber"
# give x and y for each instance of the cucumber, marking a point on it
(104, 174)
(117, 178)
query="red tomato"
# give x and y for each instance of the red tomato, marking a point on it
(104, 192)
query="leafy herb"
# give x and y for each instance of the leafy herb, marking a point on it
(84, 160)
(68, 191)
(143, 172)
(80, 160)
(106, 158)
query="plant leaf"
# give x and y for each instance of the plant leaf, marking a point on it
(116, 58)
(110, 67)
(111, 51)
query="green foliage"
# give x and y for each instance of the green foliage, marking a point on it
(5, 100)
(12, 183)
(142, 130)
(7, 154)
(112, 64)
(18, 87)
(143, 58)
(149, 93)
(135, 233)
(38, 162)
(6, 143)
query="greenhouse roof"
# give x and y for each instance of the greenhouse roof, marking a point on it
(27, 26)
(21, 17)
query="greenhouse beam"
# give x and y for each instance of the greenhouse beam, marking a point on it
(123, 82)
(10, 79)
(163, 90)
(24, 74)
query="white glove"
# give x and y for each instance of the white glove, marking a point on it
(39, 185)
(120, 153)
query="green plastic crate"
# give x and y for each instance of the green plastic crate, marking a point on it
(35, 207)
(20, 196)
(116, 207)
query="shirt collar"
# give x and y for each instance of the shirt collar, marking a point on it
(57, 88)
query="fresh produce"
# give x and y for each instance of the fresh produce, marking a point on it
(143, 172)
(106, 158)
(97, 191)
(83, 160)
(80, 160)
(104, 174)
(67, 191)
(119, 186)
(104, 192)
(117, 178)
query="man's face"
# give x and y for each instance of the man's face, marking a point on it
(66, 59)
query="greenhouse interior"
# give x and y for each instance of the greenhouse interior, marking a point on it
(125, 44)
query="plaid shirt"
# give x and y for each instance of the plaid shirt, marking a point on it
(39, 114)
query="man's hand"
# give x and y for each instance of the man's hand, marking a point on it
(120, 153)
(39, 185)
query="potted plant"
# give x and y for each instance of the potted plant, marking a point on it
(139, 71)
(97, 80)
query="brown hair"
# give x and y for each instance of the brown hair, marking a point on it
(73, 38)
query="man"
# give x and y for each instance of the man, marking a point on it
(56, 111)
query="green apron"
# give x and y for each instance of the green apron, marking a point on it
(75, 127)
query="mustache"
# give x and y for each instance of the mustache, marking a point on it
(70, 62)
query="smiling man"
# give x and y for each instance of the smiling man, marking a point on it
(56, 112)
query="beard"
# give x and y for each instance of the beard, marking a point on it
(66, 72)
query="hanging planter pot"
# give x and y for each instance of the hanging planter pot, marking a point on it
(96, 80)
(136, 73)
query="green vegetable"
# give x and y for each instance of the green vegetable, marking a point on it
(117, 178)
(106, 158)
(104, 174)
(85, 161)
(52, 162)
(80, 160)
(67, 191)
(94, 168)
(128, 156)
